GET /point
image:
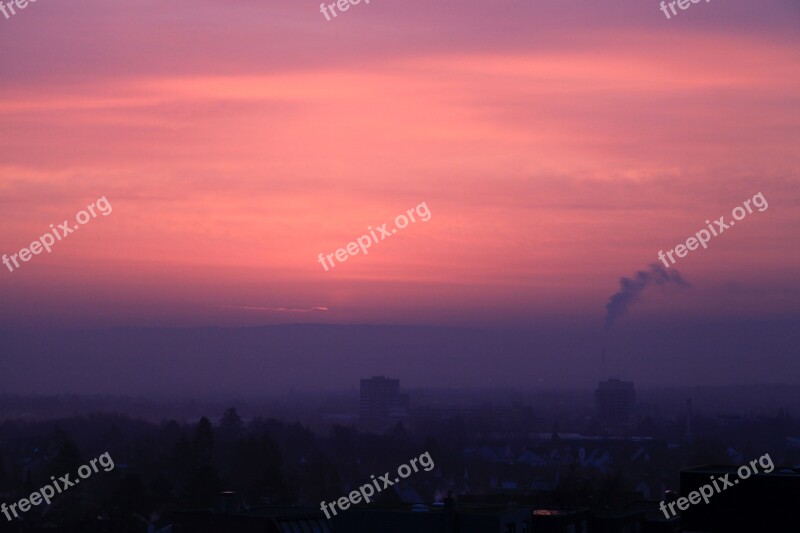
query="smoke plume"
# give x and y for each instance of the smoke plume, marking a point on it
(630, 289)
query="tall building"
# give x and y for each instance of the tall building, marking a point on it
(381, 401)
(615, 401)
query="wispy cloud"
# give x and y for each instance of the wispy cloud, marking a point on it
(270, 309)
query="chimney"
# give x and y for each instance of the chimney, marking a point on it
(689, 437)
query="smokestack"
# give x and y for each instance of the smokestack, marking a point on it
(603, 364)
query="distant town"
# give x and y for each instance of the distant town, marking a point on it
(597, 460)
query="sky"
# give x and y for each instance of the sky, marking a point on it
(558, 146)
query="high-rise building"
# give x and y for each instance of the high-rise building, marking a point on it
(615, 401)
(381, 401)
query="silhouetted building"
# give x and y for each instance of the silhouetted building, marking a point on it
(381, 402)
(615, 401)
(620, 512)
(481, 421)
(556, 520)
(447, 517)
(252, 520)
(762, 502)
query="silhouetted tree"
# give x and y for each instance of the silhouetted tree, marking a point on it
(67, 458)
(129, 496)
(204, 487)
(320, 480)
(231, 426)
(258, 471)
(203, 443)
(204, 483)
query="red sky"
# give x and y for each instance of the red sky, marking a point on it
(559, 145)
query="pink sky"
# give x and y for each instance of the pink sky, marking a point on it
(558, 146)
